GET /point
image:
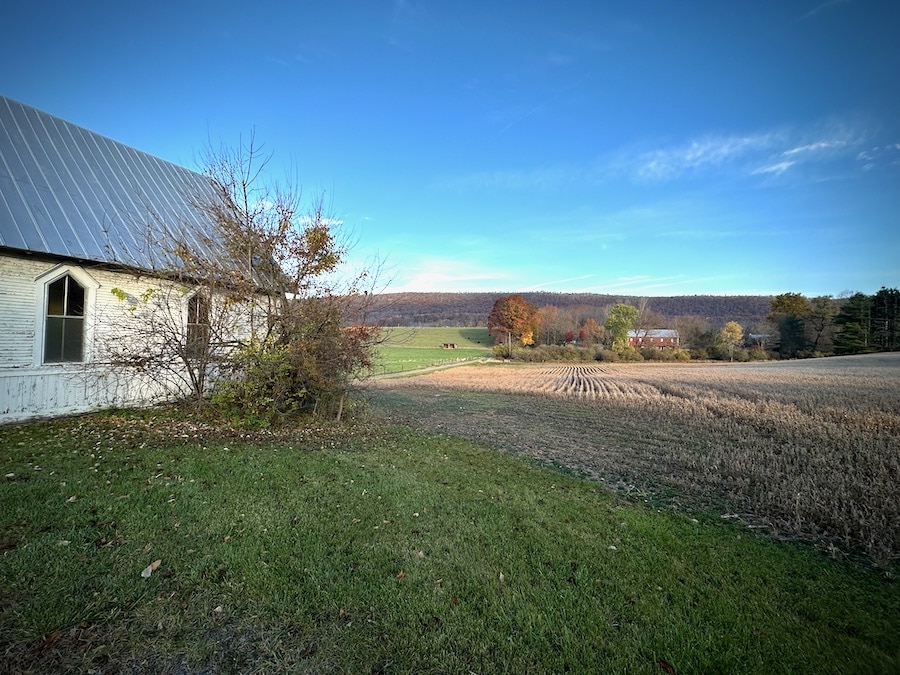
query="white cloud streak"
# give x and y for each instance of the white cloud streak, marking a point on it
(769, 153)
(823, 6)
(814, 147)
(777, 169)
(712, 151)
(446, 275)
(541, 286)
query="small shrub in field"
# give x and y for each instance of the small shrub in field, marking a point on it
(528, 355)
(651, 354)
(630, 354)
(758, 354)
(551, 353)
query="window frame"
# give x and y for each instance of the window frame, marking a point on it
(193, 328)
(43, 282)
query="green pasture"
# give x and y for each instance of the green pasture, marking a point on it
(406, 348)
(144, 542)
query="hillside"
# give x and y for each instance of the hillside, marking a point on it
(472, 309)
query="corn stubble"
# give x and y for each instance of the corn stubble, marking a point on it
(808, 449)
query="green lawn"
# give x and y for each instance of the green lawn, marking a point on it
(413, 348)
(375, 548)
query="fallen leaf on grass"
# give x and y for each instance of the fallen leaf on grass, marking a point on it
(148, 570)
(666, 666)
(400, 575)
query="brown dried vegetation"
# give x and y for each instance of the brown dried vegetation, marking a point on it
(808, 449)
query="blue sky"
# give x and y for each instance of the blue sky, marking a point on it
(644, 148)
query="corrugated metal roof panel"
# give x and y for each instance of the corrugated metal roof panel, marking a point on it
(654, 333)
(70, 192)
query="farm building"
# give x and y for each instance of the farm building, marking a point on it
(81, 220)
(656, 338)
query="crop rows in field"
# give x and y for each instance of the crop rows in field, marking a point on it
(809, 448)
(585, 382)
(592, 382)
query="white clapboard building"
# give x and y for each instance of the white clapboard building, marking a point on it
(79, 220)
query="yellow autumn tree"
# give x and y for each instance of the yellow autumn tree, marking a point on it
(513, 319)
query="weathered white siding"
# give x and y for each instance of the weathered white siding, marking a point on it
(17, 311)
(29, 388)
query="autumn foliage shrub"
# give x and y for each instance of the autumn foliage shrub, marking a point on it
(652, 354)
(629, 354)
(308, 363)
(551, 353)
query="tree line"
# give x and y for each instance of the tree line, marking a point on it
(821, 326)
(795, 327)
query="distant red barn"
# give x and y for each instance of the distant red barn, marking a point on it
(658, 338)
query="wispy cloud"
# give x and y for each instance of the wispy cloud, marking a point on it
(556, 282)
(447, 274)
(768, 153)
(814, 147)
(777, 169)
(645, 285)
(698, 154)
(549, 177)
(547, 102)
(638, 284)
(406, 22)
(879, 155)
(824, 6)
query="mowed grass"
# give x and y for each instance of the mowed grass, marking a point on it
(373, 548)
(406, 349)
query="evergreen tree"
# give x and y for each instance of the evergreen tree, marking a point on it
(854, 325)
(886, 319)
(788, 313)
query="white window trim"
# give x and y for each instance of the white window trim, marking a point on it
(90, 285)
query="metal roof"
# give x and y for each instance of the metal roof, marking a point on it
(654, 333)
(70, 192)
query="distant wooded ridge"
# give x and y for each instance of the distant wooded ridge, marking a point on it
(472, 309)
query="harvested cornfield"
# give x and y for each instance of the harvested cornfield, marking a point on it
(586, 382)
(593, 382)
(807, 449)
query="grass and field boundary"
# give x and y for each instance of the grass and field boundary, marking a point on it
(462, 521)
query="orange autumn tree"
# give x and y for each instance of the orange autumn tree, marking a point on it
(513, 319)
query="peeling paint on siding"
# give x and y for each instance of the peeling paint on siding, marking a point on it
(30, 391)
